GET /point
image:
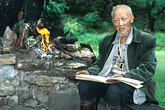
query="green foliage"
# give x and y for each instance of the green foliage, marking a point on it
(20, 22)
(84, 6)
(78, 6)
(152, 8)
(96, 14)
(137, 23)
(91, 19)
(73, 27)
(159, 25)
(155, 11)
(160, 40)
(104, 25)
(55, 10)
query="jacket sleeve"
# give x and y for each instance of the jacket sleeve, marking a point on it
(146, 61)
(95, 68)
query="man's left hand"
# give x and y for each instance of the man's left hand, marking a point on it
(117, 75)
(114, 81)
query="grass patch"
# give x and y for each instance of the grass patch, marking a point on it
(159, 78)
(92, 39)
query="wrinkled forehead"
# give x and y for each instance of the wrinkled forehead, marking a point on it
(122, 11)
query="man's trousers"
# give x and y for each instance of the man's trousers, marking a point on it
(116, 94)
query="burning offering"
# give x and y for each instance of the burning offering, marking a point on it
(45, 39)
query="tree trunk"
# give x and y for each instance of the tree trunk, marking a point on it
(33, 9)
(9, 10)
(151, 24)
(152, 20)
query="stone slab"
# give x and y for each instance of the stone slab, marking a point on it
(7, 59)
(64, 100)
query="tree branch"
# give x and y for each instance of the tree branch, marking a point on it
(160, 11)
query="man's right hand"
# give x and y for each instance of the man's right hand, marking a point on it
(82, 72)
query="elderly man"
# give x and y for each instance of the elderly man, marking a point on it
(126, 53)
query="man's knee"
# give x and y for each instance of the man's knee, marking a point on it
(83, 86)
(85, 90)
(113, 91)
(113, 96)
(119, 93)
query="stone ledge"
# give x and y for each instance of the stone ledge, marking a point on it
(65, 100)
(7, 59)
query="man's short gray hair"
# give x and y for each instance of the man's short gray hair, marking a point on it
(114, 8)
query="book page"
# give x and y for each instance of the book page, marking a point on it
(92, 78)
(129, 81)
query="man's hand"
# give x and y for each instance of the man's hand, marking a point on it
(114, 81)
(117, 75)
(82, 72)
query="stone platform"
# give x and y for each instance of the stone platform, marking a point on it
(28, 82)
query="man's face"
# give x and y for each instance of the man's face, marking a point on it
(122, 20)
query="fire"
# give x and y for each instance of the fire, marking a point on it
(45, 38)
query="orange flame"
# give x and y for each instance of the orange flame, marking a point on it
(45, 38)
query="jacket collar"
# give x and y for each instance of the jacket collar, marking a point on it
(137, 38)
(111, 38)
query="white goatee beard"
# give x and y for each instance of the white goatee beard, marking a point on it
(122, 35)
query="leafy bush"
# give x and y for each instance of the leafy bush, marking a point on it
(160, 40)
(54, 10)
(92, 19)
(159, 25)
(139, 24)
(104, 25)
(73, 27)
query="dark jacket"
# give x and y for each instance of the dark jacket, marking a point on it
(141, 60)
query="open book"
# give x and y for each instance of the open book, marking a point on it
(129, 81)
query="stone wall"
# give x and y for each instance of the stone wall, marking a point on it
(31, 83)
